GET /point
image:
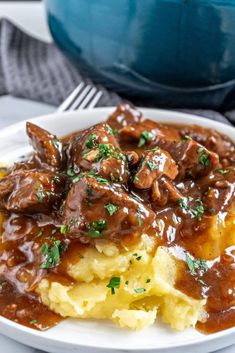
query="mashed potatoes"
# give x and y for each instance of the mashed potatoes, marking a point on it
(143, 287)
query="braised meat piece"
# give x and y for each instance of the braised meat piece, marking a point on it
(48, 149)
(163, 192)
(212, 140)
(218, 189)
(193, 159)
(153, 165)
(147, 132)
(98, 150)
(96, 209)
(132, 158)
(124, 115)
(31, 191)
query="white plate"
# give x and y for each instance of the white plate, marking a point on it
(83, 335)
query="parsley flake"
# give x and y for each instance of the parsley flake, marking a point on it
(63, 228)
(105, 151)
(151, 165)
(96, 228)
(111, 208)
(222, 171)
(102, 180)
(140, 290)
(52, 253)
(114, 283)
(145, 137)
(90, 143)
(194, 265)
(187, 137)
(39, 193)
(204, 159)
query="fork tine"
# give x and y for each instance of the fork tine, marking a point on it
(66, 104)
(95, 100)
(80, 98)
(87, 99)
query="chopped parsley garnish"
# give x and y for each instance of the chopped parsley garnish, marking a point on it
(105, 151)
(151, 165)
(96, 228)
(39, 193)
(187, 137)
(127, 282)
(77, 178)
(203, 159)
(90, 174)
(94, 233)
(115, 132)
(139, 218)
(91, 141)
(55, 179)
(111, 208)
(195, 212)
(148, 280)
(183, 203)
(203, 283)
(222, 171)
(194, 265)
(100, 225)
(102, 180)
(200, 149)
(140, 290)
(32, 322)
(136, 179)
(145, 137)
(38, 235)
(52, 253)
(138, 257)
(63, 228)
(113, 284)
(70, 172)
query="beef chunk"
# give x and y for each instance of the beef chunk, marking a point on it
(147, 132)
(31, 191)
(193, 159)
(132, 158)
(98, 150)
(213, 141)
(154, 164)
(95, 209)
(49, 150)
(124, 115)
(219, 189)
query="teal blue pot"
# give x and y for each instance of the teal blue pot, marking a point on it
(173, 52)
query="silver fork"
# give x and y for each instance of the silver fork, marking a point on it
(83, 97)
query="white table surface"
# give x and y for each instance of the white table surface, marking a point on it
(31, 17)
